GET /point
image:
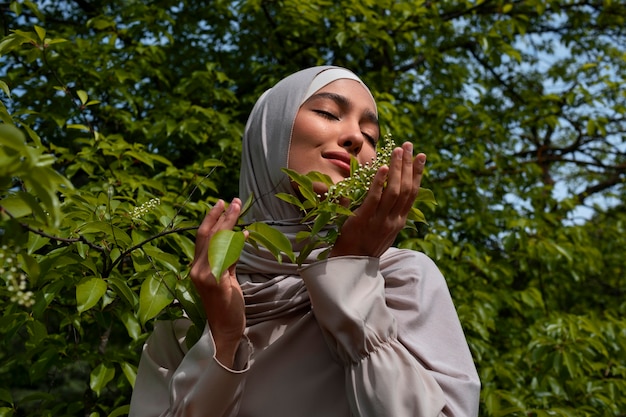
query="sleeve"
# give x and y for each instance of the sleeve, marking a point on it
(171, 382)
(384, 376)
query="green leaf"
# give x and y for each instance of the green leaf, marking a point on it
(291, 199)
(5, 87)
(6, 411)
(40, 367)
(416, 215)
(246, 205)
(272, 239)
(122, 289)
(78, 126)
(82, 96)
(156, 293)
(107, 228)
(316, 176)
(22, 204)
(5, 395)
(131, 323)
(188, 297)
(130, 372)
(88, 292)
(168, 260)
(12, 137)
(41, 32)
(305, 185)
(100, 377)
(426, 196)
(120, 411)
(17, 207)
(321, 221)
(16, 8)
(224, 250)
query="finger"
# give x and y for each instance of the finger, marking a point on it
(394, 181)
(406, 193)
(419, 162)
(374, 194)
(231, 215)
(205, 230)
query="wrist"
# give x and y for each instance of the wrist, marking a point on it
(225, 351)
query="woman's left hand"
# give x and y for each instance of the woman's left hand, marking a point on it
(377, 222)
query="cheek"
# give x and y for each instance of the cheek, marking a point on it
(368, 154)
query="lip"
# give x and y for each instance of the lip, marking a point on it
(340, 159)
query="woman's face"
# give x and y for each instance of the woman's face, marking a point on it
(336, 122)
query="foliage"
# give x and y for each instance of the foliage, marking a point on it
(121, 124)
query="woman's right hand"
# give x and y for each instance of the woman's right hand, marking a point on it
(385, 209)
(222, 300)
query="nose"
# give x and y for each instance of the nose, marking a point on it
(352, 140)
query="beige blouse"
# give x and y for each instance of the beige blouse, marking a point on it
(379, 337)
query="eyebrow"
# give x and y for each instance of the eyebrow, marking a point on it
(344, 101)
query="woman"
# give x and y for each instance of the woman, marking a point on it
(370, 331)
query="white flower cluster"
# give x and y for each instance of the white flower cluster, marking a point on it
(16, 281)
(139, 212)
(356, 186)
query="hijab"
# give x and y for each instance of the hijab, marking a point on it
(273, 288)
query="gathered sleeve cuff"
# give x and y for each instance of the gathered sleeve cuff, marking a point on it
(187, 384)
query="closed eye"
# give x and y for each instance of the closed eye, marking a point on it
(326, 114)
(370, 139)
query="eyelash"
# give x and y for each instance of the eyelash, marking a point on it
(331, 116)
(370, 139)
(327, 114)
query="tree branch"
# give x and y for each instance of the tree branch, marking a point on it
(41, 233)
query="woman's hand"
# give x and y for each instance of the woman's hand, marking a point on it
(377, 222)
(222, 301)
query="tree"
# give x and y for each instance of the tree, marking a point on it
(121, 124)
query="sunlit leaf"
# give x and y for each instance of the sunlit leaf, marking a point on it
(272, 239)
(100, 377)
(41, 32)
(416, 215)
(224, 250)
(122, 410)
(82, 96)
(12, 137)
(4, 87)
(426, 196)
(130, 372)
(305, 185)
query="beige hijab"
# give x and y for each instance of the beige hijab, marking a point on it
(272, 288)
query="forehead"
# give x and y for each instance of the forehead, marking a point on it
(353, 90)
